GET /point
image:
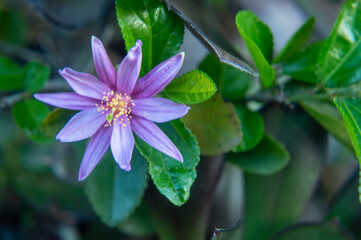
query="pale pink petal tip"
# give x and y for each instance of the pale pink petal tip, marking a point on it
(138, 43)
(125, 167)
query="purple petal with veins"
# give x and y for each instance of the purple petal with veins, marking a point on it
(117, 104)
(72, 101)
(97, 146)
(84, 84)
(103, 65)
(129, 68)
(122, 144)
(159, 77)
(158, 109)
(151, 134)
(81, 126)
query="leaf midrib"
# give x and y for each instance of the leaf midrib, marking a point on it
(343, 60)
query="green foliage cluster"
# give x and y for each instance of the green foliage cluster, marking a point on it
(322, 77)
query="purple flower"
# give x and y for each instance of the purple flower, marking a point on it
(116, 104)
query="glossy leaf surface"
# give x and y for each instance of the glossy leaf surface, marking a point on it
(173, 178)
(350, 110)
(339, 61)
(190, 88)
(259, 41)
(160, 30)
(302, 65)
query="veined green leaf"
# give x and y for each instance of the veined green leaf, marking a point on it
(190, 88)
(339, 60)
(231, 83)
(252, 128)
(259, 41)
(329, 117)
(173, 178)
(29, 115)
(267, 158)
(297, 41)
(115, 193)
(302, 65)
(215, 124)
(350, 110)
(160, 30)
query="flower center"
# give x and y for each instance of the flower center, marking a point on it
(116, 107)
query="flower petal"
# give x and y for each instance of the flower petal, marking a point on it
(72, 101)
(122, 144)
(82, 125)
(97, 146)
(103, 65)
(158, 77)
(158, 109)
(151, 134)
(84, 84)
(129, 68)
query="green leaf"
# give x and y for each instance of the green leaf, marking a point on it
(320, 231)
(36, 74)
(302, 65)
(113, 192)
(350, 110)
(339, 61)
(160, 30)
(173, 178)
(297, 41)
(29, 115)
(55, 121)
(273, 202)
(190, 88)
(215, 124)
(231, 83)
(329, 117)
(267, 158)
(11, 75)
(259, 41)
(252, 128)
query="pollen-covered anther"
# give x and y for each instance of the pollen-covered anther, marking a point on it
(117, 107)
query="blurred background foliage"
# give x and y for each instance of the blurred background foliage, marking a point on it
(40, 197)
